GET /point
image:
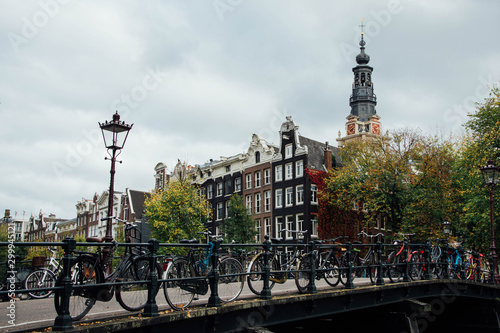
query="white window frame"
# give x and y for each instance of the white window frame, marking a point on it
(279, 197)
(258, 198)
(237, 184)
(210, 191)
(289, 196)
(258, 227)
(314, 226)
(288, 171)
(314, 194)
(299, 168)
(220, 189)
(278, 173)
(289, 150)
(249, 181)
(290, 226)
(300, 224)
(267, 201)
(267, 176)
(248, 200)
(279, 226)
(267, 225)
(220, 209)
(299, 193)
(257, 179)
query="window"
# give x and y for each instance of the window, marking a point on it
(220, 210)
(227, 208)
(203, 191)
(314, 194)
(267, 201)
(258, 228)
(314, 226)
(219, 189)
(300, 194)
(300, 224)
(257, 203)
(249, 181)
(278, 173)
(249, 203)
(299, 168)
(279, 198)
(257, 157)
(210, 191)
(289, 196)
(289, 171)
(228, 186)
(257, 179)
(279, 226)
(288, 150)
(290, 226)
(267, 176)
(267, 225)
(228, 168)
(237, 184)
(382, 222)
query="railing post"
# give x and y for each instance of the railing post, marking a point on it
(213, 278)
(406, 275)
(380, 278)
(311, 286)
(266, 291)
(63, 321)
(349, 284)
(446, 264)
(427, 258)
(492, 270)
(151, 308)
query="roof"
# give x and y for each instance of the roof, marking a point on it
(136, 199)
(316, 153)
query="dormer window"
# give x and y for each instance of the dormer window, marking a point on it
(288, 151)
(257, 157)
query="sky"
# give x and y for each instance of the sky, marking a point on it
(197, 78)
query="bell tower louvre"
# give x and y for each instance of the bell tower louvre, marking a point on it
(363, 121)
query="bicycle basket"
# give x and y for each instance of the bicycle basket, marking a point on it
(38, 261)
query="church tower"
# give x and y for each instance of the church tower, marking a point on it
(363, 121)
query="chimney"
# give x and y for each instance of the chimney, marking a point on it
(7, 214)
(328, 157)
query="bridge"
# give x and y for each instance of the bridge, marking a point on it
(414, 306)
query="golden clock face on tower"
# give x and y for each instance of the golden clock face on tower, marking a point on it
(376, 128)
(351, 129)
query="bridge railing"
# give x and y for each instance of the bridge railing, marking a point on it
(350, 268)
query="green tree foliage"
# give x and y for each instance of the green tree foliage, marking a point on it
(176, 213)
(239, 225)
(481, 143)
(403, 177)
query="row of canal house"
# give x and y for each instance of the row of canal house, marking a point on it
(272, 181)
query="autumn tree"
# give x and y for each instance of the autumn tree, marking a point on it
(178, 212)
(481, 143)
(239, 224)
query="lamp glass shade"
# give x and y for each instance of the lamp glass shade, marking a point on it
(115, 132)
(490, 173)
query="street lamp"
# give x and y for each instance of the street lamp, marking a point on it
(114, 133)
(490, 175)
(447, 228)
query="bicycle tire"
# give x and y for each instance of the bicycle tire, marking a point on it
(302, 277)
(416, 266)
(83, 272)
(230, 287)
(133, 297)
(332, 271)
(255, 268)
(40, 278)
(372, 268)
(344, 268)
(177, 297)
(394, 269)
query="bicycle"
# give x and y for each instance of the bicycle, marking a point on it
(398, 260)
(186, 276)
(281, 264)
(43, 276)
(477, 268)
(455, 265)
(369, 259)
(327, 264)
(89, 269)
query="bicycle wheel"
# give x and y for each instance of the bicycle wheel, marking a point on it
(177, 295)
(41, 278)
(394, 269)
(83, 272)
(230, 287)
(372, 269)
(332, 271)
(470, 270)
(255, 270)
(344, 268)
(303, 276)
(416, 266)
(134, 296)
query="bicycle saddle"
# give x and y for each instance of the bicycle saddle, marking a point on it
(189, 241)
(95, 239)
(276, 240)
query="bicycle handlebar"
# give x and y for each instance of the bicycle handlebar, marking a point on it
(363, 233)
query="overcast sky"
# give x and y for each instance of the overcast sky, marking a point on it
(197, 78)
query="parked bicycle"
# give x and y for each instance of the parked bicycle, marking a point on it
(477, 268)
(187, 276)
(89, 270)
(282, 261)
(455, 266)
(403, 257)
(43, 276)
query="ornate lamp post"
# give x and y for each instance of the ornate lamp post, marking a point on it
(114, 133)
(447, 228)
(490, 174)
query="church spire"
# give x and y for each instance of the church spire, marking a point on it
(363, 120)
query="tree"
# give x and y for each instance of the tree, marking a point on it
(403, 177)
(178, 212)
(481, 142)
(239, 224)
